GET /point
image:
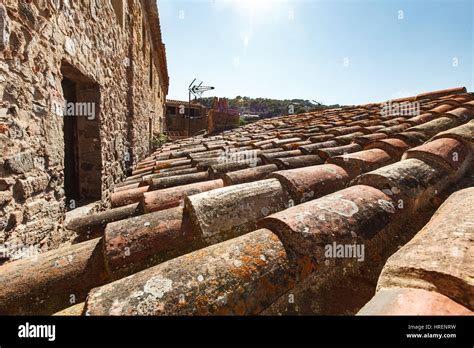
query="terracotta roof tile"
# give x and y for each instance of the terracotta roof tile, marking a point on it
(94, 225)
(347, 138)
(365, 139)
(242, 205)
(126, 197)
(409, 301)
(53, 275)
(356, 212)
(435, 126)
(447, 152)
(444, 107)
(135, 244)
(464, 114)
(442, 93)
(409, 182)
(327, 152)
(297, 161)
(183, 179)
(295, 145)
(308, 183)
(174, 196)
(248, 175)
(463, 133)
(360, 162)
(438, 259)
(249, 262)
(268, 157)
(312, 149)
(216, 170)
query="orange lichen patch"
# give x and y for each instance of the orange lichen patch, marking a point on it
(3, 128)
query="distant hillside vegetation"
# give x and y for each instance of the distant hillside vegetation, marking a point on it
(265, 107)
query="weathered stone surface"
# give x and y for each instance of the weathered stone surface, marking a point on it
(439, 258)
(240, 276)
(231, 211)
(21, 163)
(4, 28)
(5, 197)
(27, 187)
(42, 44)
(408, 301)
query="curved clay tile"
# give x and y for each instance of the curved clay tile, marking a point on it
(438, 258)
(240, 276)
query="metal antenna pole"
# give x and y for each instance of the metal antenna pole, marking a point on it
(196, 89)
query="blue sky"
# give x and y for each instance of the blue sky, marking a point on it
(346, 52)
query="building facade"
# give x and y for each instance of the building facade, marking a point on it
(83, 86)
(185, 119)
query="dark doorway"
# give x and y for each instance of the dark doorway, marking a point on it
(82, 143)
(71, 169)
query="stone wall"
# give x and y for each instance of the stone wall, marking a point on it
(221, 117)
(107, 43)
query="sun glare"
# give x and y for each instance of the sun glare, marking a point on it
(256, 8)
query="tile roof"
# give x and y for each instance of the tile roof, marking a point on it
(234, 223)
(432, 272)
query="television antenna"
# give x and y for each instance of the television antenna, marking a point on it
(196, 89)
